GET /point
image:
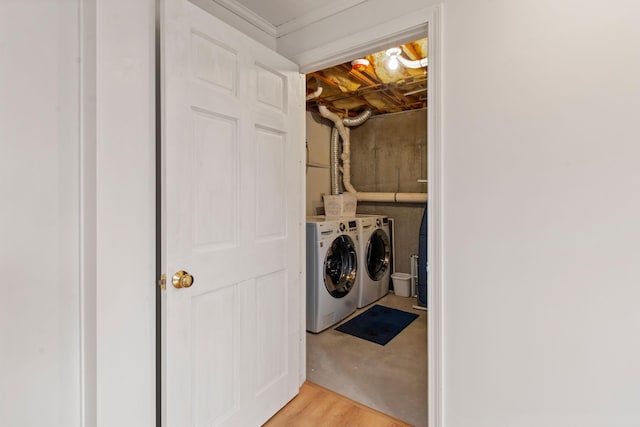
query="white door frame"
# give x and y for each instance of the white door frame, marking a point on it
(378, 38)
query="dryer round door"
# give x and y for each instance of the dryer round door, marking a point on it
(377, 254)
(340, 265)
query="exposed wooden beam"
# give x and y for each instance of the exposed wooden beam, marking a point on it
(410, 51)
(393, 95)
(362, 78)
(330, 82)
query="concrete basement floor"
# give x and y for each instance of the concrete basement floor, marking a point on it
(390, 378)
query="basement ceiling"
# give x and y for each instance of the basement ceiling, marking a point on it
(345, 91)
(349, 91)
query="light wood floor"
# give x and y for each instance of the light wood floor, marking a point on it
(317, 406)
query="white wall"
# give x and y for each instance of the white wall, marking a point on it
(126, 212)
(77, 336)
(40, 339)
(540, 145)
(362, 26)
(541, 207)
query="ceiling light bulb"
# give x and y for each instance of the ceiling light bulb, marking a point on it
(394, 51)
(392, 63)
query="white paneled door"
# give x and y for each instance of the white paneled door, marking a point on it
(232, 152)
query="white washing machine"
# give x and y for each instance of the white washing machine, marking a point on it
(374, 258)
(332, 266)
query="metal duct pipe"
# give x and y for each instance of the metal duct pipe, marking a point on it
(334, 169)
(358, 120)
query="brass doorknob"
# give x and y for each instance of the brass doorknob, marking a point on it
(182, 279)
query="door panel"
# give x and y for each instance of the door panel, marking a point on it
(215, 160)
(212, 62)
(271, 318)
(271, 175)
(215, 373)
(233, 145)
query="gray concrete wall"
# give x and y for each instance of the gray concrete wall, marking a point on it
(389, 153)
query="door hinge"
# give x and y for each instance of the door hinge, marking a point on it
(163, 282)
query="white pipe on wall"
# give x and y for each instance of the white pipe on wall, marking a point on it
(335, 169)
(315, 94)
(418, 63)
(411, 197)
(346, 164)
(391, 197)
(337, 121)
(343, 132)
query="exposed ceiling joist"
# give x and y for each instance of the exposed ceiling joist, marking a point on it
(348, 90)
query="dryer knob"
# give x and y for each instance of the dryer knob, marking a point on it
(378, 222)
(342, 226)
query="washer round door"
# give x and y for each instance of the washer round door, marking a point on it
(340, 266)
(377, 254)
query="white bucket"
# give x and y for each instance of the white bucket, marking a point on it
(401, 284)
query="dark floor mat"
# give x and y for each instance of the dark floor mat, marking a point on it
(379, 324)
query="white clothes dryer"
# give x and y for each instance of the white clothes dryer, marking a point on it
(374, 258)
(332, 266)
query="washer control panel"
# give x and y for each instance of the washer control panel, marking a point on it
(348, 226)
